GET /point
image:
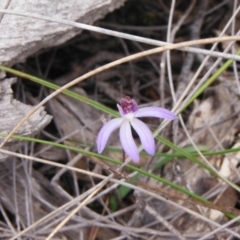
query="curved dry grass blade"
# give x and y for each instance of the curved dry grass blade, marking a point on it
(115, 63)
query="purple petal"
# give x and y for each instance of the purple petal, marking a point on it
(120, 110)
(155, 112)
(127, 141)
(106, 131)
(145, 135)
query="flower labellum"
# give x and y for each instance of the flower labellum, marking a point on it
(130, 113)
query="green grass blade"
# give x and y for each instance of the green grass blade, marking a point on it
(69, 93)
(210, 80)
(131, 167)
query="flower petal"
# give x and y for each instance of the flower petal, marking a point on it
(145, 135)
(106, 131)
(127, 141)
(120, 110)
(155, 112)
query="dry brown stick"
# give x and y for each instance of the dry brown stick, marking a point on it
(166, 193)
(115, 63)
(182, 197)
